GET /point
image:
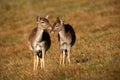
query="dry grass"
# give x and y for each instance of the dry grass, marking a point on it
(95, 55)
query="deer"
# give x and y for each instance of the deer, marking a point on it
(39, 41)
(66, 39)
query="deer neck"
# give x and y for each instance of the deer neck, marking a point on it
(62, 33)
(38, 37)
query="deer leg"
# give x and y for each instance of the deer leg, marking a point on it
(42, 59)
(63, 57)
(68, 56)
(40, 62)
(35, 60)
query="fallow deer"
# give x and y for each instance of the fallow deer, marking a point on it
(39, 41)
(66, 38)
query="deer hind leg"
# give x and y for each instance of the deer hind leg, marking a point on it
(68, 57)
(68, 54)
(40, 62)
(43, 58)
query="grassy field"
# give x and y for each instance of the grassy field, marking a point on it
(95, 55)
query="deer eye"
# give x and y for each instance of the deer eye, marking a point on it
(42, 22)
(56, 26)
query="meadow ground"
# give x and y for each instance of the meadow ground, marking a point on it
(95, 55)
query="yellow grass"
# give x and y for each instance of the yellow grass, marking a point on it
(95, 55)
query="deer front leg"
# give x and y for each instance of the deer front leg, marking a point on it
(36, 60)
(63, 57)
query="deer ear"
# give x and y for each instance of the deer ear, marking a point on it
(61, 21)
(58, 19)
(46, 16)
(38, 18)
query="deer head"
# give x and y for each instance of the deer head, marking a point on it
(43, 23)
(58, 25)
